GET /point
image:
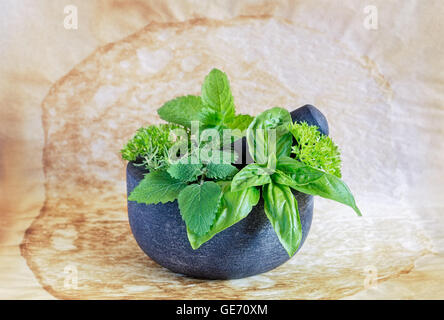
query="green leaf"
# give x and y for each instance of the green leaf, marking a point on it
(157, 186)
(182, 110)
(210, 118)
(220, 171)
(301, 173)
(234, 207)
(185, 172)
(271, 164)
(268, 133)
(150, 146)
(241, 123)
(251, 175)
(316, 182)
(198, 204)
(216, 94)
(281, 209)
(217, 156)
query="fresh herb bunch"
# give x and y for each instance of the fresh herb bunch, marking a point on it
(315, 149)
(200, 180)
(150, 145)
(270, 142)
(212, 194)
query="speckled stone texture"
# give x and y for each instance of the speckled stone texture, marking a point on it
(247, 248)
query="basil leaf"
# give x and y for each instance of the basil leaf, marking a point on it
(157, 186)
(216, 94)
(182, 110)
(234, 207)
(281, 208)
(282, 178)
(300, 172)
(271, 164)
(330, 187)
(250, 176)
(315, 182)
(268, 133)
(198, 205)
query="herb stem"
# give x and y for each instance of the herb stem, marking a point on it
(202, 177)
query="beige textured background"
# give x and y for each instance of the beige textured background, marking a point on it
(389, 80)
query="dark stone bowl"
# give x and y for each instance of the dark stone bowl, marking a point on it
(313, 116)
(247, 248)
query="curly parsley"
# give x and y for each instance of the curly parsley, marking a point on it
(315, 149)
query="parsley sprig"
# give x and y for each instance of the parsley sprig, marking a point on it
(315, 149)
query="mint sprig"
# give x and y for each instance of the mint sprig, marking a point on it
(220, 171)
(215, 107)
(198, 204)
(185, 172)
(216, 94)
(234, 207)
(182, 110)
(157, 186)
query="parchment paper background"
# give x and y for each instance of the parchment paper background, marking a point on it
(382, 91)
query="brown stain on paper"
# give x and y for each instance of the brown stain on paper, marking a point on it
(90, 113)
